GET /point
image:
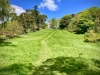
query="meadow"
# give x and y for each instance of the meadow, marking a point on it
(49, 52)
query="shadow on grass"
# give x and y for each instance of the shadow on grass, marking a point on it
(53, 66)
(2, 44)
(16, 69)
(96, 62)
(65, 66)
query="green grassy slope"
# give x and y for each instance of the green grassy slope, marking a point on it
(49, 52)
(63, 43)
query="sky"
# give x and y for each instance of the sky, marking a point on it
(54, 8)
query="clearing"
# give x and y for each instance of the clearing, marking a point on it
(49, 52)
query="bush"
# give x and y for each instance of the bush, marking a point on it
(81, 22)
(13, 29)
(2, 38)
(91, 36)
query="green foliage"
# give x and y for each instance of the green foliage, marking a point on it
(54, 23)
(13, 29)
(2, 38)
(91, 36)
(13, 16)
(42, 18)
(25, 20)
(95, 13)
(81, 22)
(5, 10)
(64, 22)
(96, 27)
(32, 20)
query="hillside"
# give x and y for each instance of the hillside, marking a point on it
(49, 52)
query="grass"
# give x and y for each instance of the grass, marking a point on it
(49, 52)
(64, 43)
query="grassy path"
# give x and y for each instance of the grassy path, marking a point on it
(23, 49)
(49, 52)
(63, 43)
(45, 52)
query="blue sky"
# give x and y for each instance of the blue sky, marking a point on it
(54, 8)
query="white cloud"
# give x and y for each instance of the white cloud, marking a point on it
(50, 4)
(18, 9)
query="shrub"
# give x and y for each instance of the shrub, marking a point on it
(13, 29)
(2, 38)
(91, 36)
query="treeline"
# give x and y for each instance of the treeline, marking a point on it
(53, 23)
(12, 25)
(86, 22)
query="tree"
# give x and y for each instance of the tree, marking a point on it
(53, 23)
(13, 29)
(23, 19)
(4, 12)
(96, 27)
(42, 19)
(95, 13)
(64, 22)
(81, 22)
(32, 20)
(13, 16)
(36, 15)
